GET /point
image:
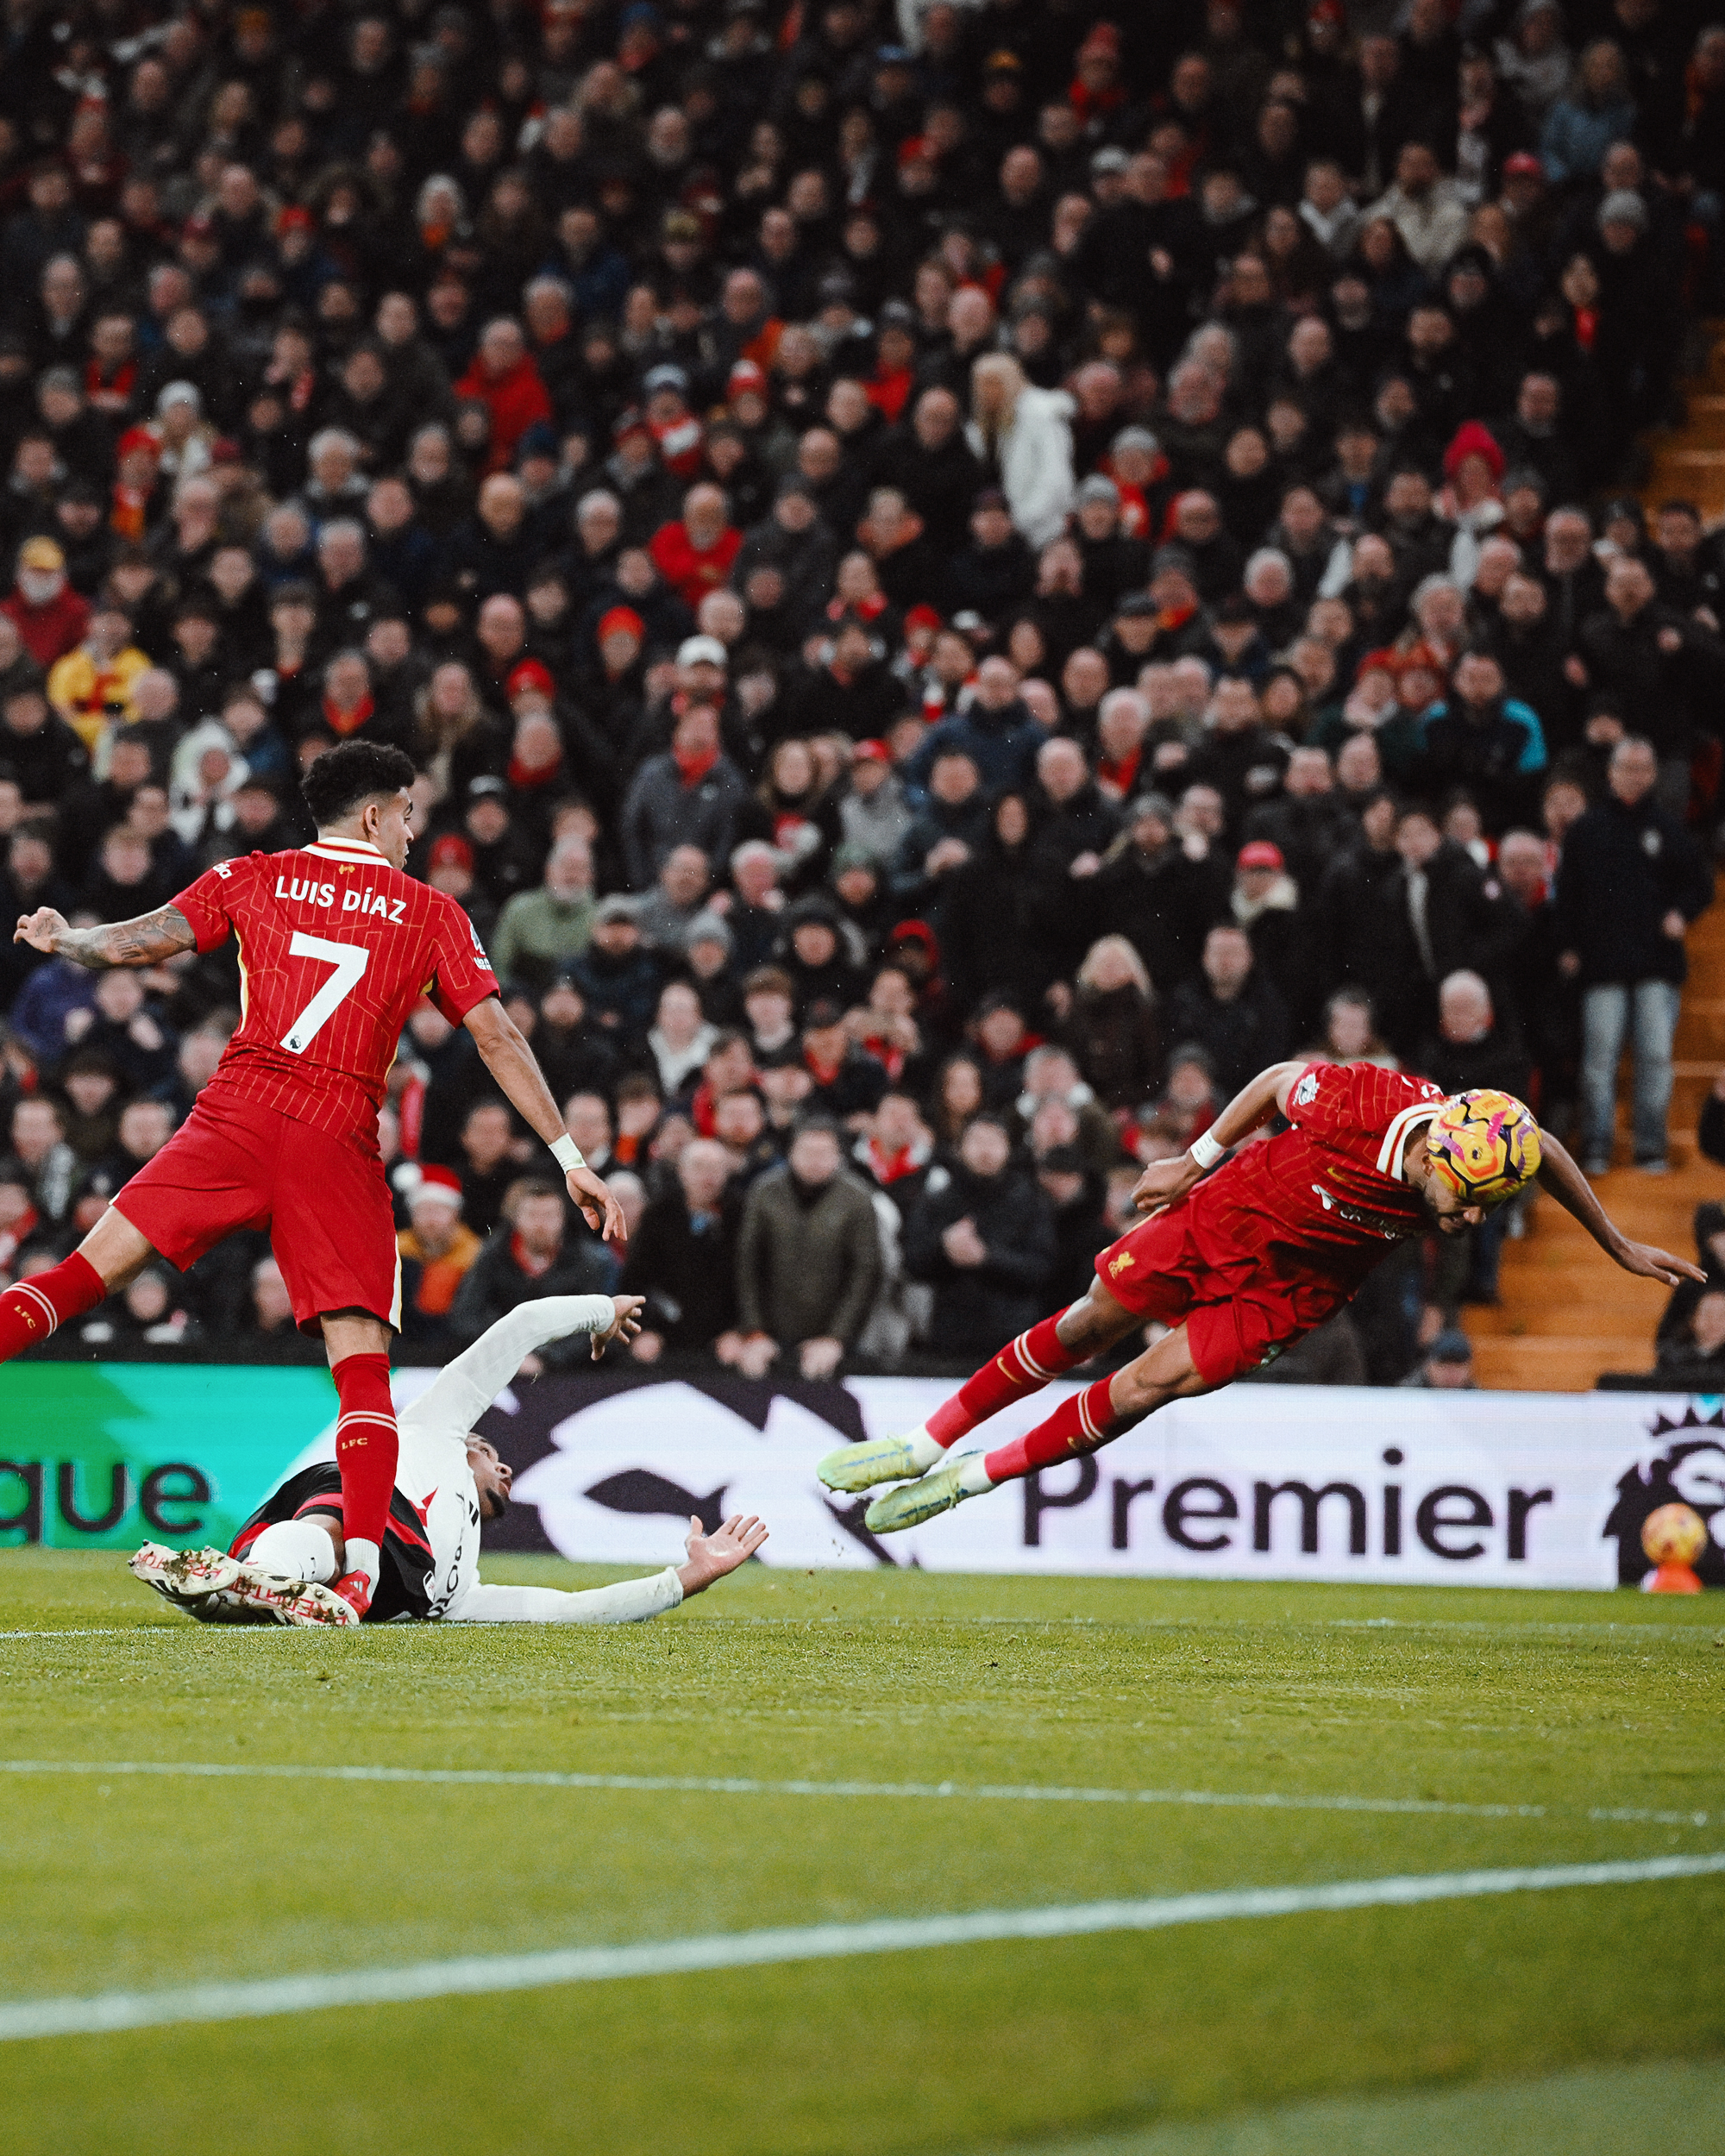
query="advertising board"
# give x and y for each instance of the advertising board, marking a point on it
(1282, 1482)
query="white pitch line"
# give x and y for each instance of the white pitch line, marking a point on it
(1510, 1627)
(1553, 1628)
(746, 1785)
(150, 1632)
(109, 2011)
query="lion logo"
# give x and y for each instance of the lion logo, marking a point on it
(1691, 1470)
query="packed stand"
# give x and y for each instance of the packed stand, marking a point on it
(959, 580)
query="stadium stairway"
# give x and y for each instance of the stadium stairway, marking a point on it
(1566, 1315)
(1689, 462)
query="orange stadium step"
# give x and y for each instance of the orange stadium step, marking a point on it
(1566, 1317)
(1551, 1365)
(1690, 460)
(1706, 967)
(1701, 1030)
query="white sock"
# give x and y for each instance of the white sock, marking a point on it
(924, 1450)
(364, 1556)
(973, 1474)
(297, 1550)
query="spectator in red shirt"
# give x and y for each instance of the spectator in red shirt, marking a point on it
(49, 616)
(694, 557)
(505, 379)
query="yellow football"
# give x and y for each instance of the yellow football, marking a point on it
(1675, 1534)
(1485, 1144)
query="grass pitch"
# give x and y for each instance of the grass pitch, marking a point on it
(1531, 1729)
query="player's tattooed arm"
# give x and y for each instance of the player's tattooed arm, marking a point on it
(143, 942)
(1558, 1175)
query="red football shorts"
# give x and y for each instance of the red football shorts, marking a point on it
(232, 1164)
(1240, 1304)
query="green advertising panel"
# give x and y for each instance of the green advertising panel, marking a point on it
(102, 1456)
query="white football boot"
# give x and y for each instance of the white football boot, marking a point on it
(187, 1578)
(291, 1601)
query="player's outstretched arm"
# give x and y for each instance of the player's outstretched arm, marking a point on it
(626, 1324)
(712, 1556)
(511, 1062)
(630, 1601)
(464, 1388)
(1165, 1181)
(143, 942)
(1558, 1175)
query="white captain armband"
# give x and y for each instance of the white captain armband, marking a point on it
(1205, 1150)
(566, 1154)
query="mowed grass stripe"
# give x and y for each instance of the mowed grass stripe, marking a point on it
(744, 1785)
(108, 2012)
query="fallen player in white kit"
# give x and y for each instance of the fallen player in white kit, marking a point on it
(447, 1482)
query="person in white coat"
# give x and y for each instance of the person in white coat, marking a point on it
(448, 1483)
(1027, 432)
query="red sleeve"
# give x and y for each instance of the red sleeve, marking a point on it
(1316, 1102)
(1354, 1099)
(208, 904)
(462, 975)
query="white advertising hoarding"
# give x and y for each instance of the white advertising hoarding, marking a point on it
(1265, 1481)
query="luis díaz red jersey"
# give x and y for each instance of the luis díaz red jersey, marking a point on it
(336, 948)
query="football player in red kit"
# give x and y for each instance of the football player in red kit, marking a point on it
(1239, 1263)
(336, 945)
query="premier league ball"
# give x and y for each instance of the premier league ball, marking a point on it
(1675, 1534)
(1485, 1144)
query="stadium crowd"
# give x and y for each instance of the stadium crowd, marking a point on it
(959, 578)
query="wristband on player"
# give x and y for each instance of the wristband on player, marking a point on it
(566, 1154)
(1205, 1151)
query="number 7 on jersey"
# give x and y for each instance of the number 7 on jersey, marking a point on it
(350, 960)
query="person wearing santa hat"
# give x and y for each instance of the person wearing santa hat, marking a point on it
(436, 1249)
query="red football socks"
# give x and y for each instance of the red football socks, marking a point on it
(366, 1444)
(1080, 1424)
(32, 1309)
(1022, 1367)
